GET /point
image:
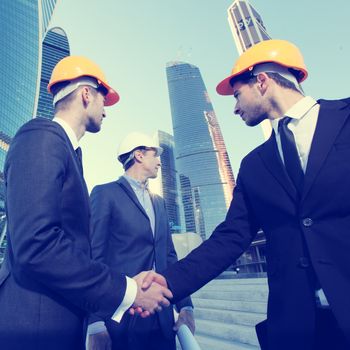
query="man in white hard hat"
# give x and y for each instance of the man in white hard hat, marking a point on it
(48, 281)
(130, 231)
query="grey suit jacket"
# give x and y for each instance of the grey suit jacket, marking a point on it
(122, 236)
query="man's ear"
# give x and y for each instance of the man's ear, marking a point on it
(138, 155)
(85, 95)
(263, 81)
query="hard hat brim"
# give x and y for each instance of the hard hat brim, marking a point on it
(111, 98)
(224, 87)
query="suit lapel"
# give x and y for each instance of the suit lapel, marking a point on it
(157, 211)
(75, 160)
(331, 118)
(129, 191)
(272, 160)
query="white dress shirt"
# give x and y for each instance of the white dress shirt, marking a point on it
(69, 131)
(304, 116)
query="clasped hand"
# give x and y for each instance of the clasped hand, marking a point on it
(152, 294)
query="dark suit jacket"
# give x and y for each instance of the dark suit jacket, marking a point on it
(308, 239)
(122, 237)
(48, 282)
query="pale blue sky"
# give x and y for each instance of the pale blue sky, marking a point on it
(133, 40)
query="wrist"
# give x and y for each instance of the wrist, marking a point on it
(187, 308)
(96, 327)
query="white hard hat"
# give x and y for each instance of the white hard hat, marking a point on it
(136, 140)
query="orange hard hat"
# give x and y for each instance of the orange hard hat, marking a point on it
(281, 52)
(73, 67)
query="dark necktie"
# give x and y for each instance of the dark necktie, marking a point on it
(80, 158)
(290, 154)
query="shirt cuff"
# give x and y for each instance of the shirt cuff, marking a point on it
(129, 298)
(187, 308)
(96, 327)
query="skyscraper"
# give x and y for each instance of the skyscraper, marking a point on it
(169, 180)
(247, 29)
(55, 47)
(205, 173)
(23, 25)
(222, 155)
(246, 25)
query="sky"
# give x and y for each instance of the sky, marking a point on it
(132, 41)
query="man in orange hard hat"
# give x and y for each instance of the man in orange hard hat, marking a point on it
(288, 187)
(48, 281)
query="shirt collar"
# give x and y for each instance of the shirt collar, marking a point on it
(69, 131)
(297, 111)
(135, 184)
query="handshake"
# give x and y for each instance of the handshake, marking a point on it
(152, 294)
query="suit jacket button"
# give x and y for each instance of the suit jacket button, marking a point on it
(307, 222)
(304, 262)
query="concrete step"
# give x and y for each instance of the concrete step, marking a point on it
(226, 311)
(239, 281)
(251, 294)
(233, 285)
(228, 332)
(233, 305)
(236, 284)
(207, 343)
(229, 317)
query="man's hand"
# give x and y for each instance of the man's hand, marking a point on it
(152, 297)
(147, 277)
(99, 341)
(185, 317)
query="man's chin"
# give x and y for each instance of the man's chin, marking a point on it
(254, 122)
(154, 175)
(93, 128)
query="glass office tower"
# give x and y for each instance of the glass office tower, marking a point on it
(201, 157)
(23, 24)
(169, 180)
(55, 47)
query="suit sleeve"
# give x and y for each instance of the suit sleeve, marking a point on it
(172, 259)
(100, 223)
(100, 229)
(228, 241)
(37, 171)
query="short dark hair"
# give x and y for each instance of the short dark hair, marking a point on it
(123, 158)
(245, 78)
(250, 78)
(64, 102)
(282, 81)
